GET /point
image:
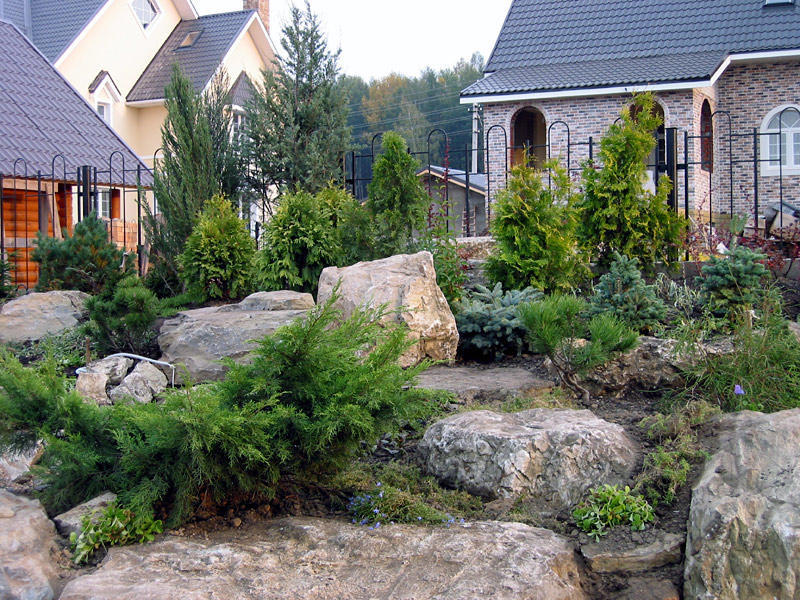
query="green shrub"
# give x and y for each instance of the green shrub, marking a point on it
(299, 241)
(488, 323)
(440, 240)
(116, 526)
(122, 317)
(617, 213)
(762, 373)
(608, 506)
(7, 268)
(86, 261)
(396, 197)
(734, 281)
(355, 229)
(623, 292)
(575, 345)
(218, 259)
(534, 228)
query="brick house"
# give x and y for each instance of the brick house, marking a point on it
(725, 75)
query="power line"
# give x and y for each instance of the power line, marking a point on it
(399, 117)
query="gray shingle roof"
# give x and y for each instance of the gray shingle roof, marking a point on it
(553, 44)
(55, 23)
(199, 61)
(42, 116)
(241, 91)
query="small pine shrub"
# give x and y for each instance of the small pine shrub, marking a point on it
(623, 292)
(7, 268)
(573, 343)
(218, 259)
(534, 228)
(734, 281)
(489, 327)
(122, 317)
(86, 261)
(609, 506)
(299, 241)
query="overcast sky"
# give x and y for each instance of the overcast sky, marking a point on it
(379, 37)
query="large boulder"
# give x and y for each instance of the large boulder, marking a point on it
(330, 560)
(483, 385)
(28, 540)
(198, 339)
(552, 455)
(31, 317)
(407, 282)
(744, 522)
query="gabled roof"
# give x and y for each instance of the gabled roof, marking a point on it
(217, 34)
(241, 91)
(556, 45)
(37, 127)
(477, 181)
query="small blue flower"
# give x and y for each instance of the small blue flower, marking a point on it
(737, 389)
(378, 484)
(380, 495)
(378, 524)
(419, 518)
(375, 510)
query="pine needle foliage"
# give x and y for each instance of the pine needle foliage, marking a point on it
(329, 383)
(616, 212)
(573, 343)
(218, 259)
(85, 261)
(534, 228)
(624, 293)
(734, 281)
(489, 327)
(316, 391)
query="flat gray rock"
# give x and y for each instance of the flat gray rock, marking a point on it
(552, 455)
(31, 317)
(483, 385)
(325, 559)
(72, 520)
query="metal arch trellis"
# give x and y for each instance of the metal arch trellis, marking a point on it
(488, 171)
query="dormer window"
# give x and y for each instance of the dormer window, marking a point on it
(189, 40)
(777, 2)
(146, 11)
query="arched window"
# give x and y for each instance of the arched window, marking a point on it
(529, 135)
(780, 141)
(706, 138)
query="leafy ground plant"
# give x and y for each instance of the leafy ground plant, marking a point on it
(609, 506)
(574, 344)
(116, 526)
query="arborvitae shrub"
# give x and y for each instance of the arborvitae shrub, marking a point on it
(86, 261)
(218, 259)
(122, 318)
(299, 241)
(488, 324)
(623, 292)
(616, 212)
(534, 228)
(735, 280)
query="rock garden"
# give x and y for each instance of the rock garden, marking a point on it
(352, 411)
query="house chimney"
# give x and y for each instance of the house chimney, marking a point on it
(262, 6)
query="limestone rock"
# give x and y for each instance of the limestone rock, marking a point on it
(407, 281)
(553, 455)
(331, 560)
(664, 550)
(113, 367)
(31, 317)
(143, 384)
(744, 522)
(483, 385)
(198, 339)
(71, 520)
(654, 363)
(93, 386)
(14, 465)
(26, 569)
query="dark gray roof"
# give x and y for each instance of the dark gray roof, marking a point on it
(17, 12)
(241, 91)
(55, 23)
(37, 126)
(477, 181)
(199, 61)
(553, 44)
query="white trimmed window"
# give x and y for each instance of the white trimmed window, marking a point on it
(780, 141)
(146, 11)
(104, 110)
(104, 204)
